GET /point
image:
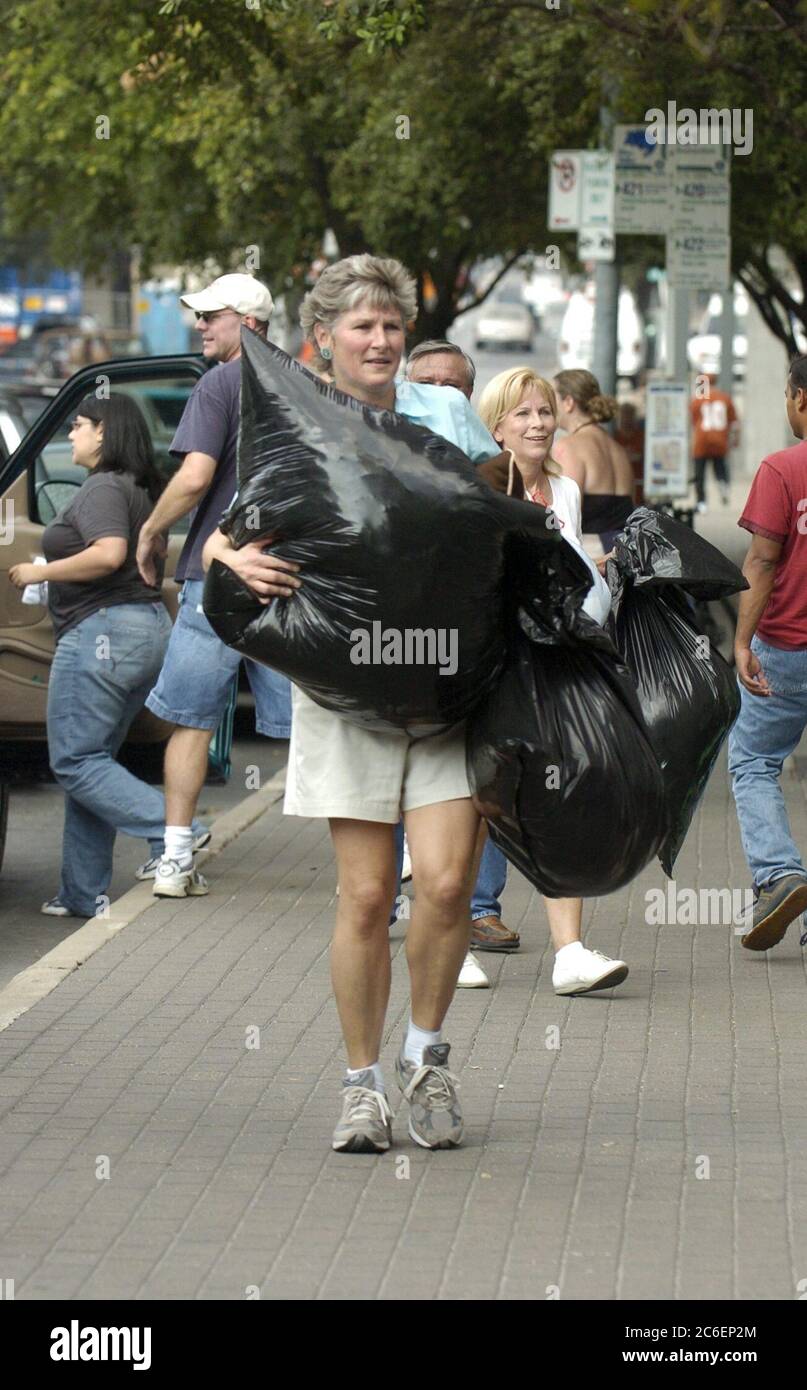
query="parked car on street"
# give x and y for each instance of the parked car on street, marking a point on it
(37, 478)
(505, 325)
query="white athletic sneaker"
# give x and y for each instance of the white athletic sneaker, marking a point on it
(149, 869)
(54, 907)
(472, 976)
(585, 971)
(406, 866)
(170, 881)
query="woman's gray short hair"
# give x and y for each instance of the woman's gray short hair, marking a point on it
(379, 281)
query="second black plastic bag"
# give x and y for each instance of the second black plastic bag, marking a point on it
(562, 770)
(687, 692)
(689, 697)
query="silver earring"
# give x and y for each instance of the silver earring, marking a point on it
(326, 353)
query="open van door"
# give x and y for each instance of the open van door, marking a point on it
(36, 481)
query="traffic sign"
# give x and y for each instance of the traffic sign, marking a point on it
(642, 182)
(565, 170)
(595, 244)
(699, 260)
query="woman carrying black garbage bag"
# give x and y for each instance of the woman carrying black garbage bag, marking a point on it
(362, 780)
(520, 409)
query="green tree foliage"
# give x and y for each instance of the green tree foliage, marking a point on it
(415, 128)
(744, 54)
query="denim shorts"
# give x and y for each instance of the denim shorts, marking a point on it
(195, 681)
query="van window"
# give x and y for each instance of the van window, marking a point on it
(56, 477)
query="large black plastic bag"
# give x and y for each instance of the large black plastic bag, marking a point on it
(687, 692)
(392, 528)
(561, 767)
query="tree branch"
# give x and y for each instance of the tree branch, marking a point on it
(508, 265)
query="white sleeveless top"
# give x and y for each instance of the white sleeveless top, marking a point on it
(567, 505)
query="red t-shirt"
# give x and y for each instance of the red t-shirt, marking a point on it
(777, 508)
(711, 417)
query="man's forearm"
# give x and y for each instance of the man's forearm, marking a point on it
(753, 601)
(179, 498)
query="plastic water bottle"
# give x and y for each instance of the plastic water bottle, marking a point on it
(36, 593)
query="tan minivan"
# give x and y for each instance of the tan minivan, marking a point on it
(36, 481)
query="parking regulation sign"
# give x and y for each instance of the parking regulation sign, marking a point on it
(565, 180)
(595, 244)
(643, 182)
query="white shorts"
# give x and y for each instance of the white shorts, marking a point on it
(337, 768)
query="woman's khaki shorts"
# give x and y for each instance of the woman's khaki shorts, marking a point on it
(340, 769)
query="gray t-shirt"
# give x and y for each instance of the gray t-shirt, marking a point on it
(107, 504)
(209, 425)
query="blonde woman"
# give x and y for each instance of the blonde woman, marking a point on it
(520, 410)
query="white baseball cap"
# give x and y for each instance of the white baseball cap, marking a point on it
(243, 293)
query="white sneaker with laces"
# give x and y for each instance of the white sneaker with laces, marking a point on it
(149, 869)
(585, 970)
(172, 881)
(472, 976)
(54, 907)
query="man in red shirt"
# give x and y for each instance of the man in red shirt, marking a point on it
(770, 649)
(714, 432)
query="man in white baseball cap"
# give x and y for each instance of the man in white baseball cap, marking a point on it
(241, 293)
(193, 687)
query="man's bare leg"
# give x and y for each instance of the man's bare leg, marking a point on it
(186, 756)
(360, 957)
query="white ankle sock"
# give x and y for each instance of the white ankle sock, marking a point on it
(179, 844)
(378, 1075)
(416, 1040)
(571, 949)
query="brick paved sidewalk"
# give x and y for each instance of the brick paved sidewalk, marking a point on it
(580, 1175)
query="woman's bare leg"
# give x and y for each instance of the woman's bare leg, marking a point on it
(443, 847)
(565, 918)
(360, 959)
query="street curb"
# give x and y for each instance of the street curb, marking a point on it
(33, 983)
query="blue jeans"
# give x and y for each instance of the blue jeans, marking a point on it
(102, 672)
(197, 675)
(768, 728)
(489, 884)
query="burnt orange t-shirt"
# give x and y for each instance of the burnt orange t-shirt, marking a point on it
(712, 416)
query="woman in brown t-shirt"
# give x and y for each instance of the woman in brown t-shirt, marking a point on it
(111, 632)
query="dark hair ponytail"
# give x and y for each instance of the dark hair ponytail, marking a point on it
(126, 444)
